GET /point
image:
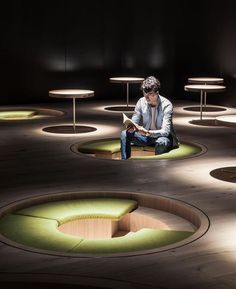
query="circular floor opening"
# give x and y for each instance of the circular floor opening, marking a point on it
(27, 113)
(120, 108)
(69, 129)
(226, 174)
(110, 149)
(205, 108)
(204, 122)
(101, 223)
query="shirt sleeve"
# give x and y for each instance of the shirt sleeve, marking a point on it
(166, 123)
(137, 113)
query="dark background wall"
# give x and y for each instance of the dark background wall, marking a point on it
(73, 44)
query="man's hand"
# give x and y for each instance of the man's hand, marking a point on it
(131, 128)
(143, 131)
(138, 128)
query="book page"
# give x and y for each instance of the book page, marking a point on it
(128, 122)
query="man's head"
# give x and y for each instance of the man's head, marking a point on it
(150, 88)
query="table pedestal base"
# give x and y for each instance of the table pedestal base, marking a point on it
(207, 108)
(120, 108)
(203, 89)
(227, 174)
(204, 122)
(69, 129)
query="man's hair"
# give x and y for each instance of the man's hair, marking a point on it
(150, 84)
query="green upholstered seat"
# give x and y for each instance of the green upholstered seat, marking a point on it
(37, 233)
(42, 233)
(36, 227)
(113, 146)
(184, 150)
(68, 210)
(144, 239)
(17, 114)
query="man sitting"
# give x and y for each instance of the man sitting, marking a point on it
(153, 116)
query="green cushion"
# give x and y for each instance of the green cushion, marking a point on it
(145, 239)
(37, 233)
(182, 151)
(68, 210)
(37, 225)
(113, 146)
(17, 114)
(42, 233)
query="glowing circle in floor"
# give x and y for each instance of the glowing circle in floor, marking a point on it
(226, 120)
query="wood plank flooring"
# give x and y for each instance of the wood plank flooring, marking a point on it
(33, 163)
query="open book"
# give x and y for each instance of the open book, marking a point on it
(128, 122)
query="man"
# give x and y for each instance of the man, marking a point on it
(153, 116)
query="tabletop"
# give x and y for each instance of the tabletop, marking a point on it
(126, 79)
(204, 87)
(208, 80)
(71, 93)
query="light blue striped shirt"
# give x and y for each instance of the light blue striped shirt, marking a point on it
(143, 116)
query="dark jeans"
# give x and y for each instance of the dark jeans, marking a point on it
(162, 144)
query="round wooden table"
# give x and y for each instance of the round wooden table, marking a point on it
(72, 94)
(203, 88)
(205, 80)
(126, 80)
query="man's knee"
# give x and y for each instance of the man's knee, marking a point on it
(162, 145)
(163, 141)
(125, 134)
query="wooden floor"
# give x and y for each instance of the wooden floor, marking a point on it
(33, 162)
